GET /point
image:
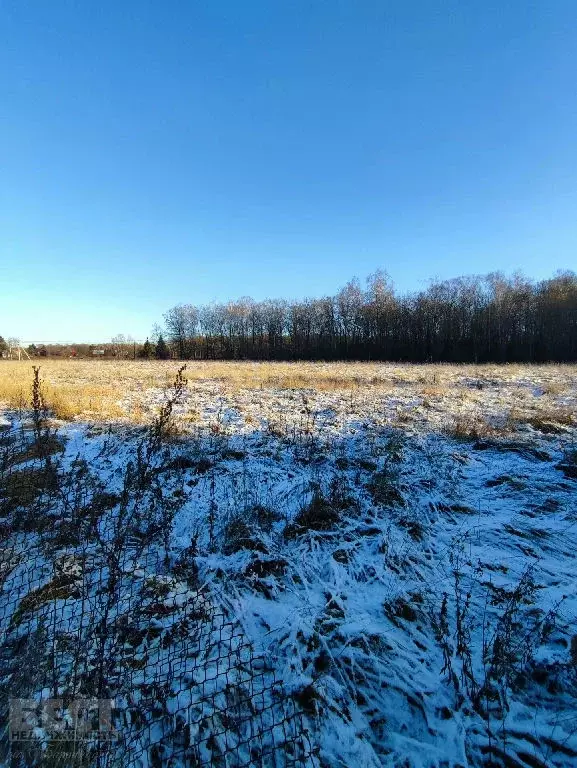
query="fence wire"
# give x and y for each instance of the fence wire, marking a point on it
(111, 651)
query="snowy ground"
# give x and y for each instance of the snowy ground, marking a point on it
(406, 554)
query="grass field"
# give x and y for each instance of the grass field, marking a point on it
(397, 540)
(483, 398)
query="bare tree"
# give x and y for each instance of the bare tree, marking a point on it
(468, 319)
(181, 325)
(118, 345)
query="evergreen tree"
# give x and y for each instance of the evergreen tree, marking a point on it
(161, 351)
(146, 351)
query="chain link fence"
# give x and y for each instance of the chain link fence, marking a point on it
(112, 652)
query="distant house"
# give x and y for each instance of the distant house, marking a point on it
(97, 352)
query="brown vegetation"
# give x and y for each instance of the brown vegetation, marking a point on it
(465, 400)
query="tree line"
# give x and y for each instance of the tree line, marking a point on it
(492, 318)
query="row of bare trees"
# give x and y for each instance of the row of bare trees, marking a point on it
(467, 319)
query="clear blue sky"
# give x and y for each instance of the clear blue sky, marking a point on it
(153, 153)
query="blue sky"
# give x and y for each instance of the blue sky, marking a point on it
(153, 153)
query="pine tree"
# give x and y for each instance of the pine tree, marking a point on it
(146, 351)
(161, 351)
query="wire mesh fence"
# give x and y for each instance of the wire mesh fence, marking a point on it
(112, 652)
(183, 684)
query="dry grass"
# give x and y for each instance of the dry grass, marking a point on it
(64, 396)
(434, 390)
(545, 419)
(118, 390)
(97, 388)
(470, 429)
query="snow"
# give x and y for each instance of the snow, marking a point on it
(350, 614)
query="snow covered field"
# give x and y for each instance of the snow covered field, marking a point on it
(399, 539)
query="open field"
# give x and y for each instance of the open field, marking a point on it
(396, 543)
(488, 398)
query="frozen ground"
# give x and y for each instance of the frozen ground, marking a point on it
(405, 553)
